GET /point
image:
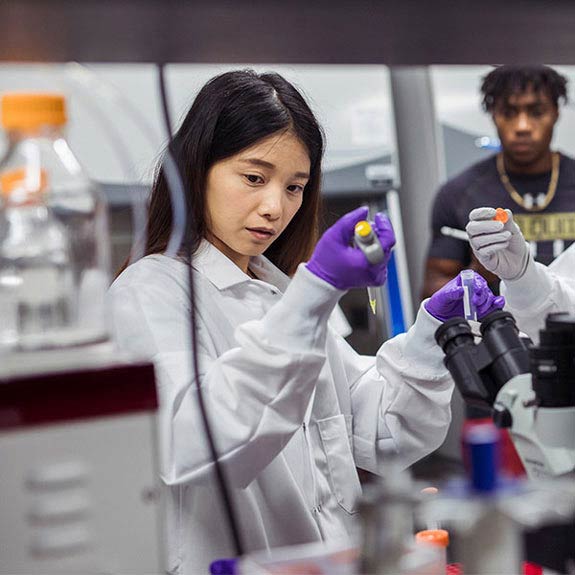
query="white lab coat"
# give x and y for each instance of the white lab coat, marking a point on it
(541, 291)
(294, 408)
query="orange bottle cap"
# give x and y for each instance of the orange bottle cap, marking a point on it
(23, 184)
(29, 111)
(436, 537)
(501, 215)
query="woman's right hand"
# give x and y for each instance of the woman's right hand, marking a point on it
(342, 264)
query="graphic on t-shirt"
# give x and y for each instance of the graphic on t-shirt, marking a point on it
(547, 227)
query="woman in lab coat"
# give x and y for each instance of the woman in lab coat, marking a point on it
(294, 409)
(532, 290)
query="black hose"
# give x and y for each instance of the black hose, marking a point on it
(220, 476)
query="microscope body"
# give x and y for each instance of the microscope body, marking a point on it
(530, 389)
(531, 393)
(544, 437)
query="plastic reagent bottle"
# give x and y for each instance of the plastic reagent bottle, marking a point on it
(437, 539)
(54, 241)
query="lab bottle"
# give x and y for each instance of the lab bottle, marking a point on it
(437, 539)
(54, 241)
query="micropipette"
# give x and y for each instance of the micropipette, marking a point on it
(467, 280)
(369, 244)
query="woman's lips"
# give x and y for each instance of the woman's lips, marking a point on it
(261, 234)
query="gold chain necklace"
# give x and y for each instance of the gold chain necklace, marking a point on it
(516, 196)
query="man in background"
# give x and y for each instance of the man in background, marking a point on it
(538, 184)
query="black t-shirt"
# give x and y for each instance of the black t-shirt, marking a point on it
(480, 186)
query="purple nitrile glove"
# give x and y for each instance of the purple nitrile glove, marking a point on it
(345, 266)
(447, 302)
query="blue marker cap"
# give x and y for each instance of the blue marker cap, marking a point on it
(482, 443)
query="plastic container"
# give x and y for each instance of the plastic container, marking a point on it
(438, 539)
(467, 281)
(54, 241)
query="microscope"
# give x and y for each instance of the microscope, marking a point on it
(530, 391)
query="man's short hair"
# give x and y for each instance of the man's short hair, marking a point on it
(505, 81)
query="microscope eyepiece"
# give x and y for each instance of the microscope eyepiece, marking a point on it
(458, 343)
(455, 332)
(509, 354)
(496, 320)
(481, 369)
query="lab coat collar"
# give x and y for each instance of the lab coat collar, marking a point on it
(223, 273)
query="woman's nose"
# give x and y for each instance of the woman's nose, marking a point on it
(271, 204)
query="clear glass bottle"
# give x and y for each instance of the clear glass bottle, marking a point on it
(54, 241)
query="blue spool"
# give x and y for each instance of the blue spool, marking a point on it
(482, 443)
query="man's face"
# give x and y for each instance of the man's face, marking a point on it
(525, 123)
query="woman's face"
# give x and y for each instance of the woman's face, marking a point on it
(252, 196)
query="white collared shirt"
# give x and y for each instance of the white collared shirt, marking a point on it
(293, 408)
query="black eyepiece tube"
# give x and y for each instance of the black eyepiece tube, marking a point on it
(453, 333)
(508, 352)
(462, 360)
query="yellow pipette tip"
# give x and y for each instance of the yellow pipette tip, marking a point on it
(372, 305)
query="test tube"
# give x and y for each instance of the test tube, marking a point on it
(467, 280)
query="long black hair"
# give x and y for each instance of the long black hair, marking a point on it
(504, 81)
(232, 112)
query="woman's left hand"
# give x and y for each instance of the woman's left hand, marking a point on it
(447, 302)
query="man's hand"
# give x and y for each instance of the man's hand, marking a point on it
(499, 247)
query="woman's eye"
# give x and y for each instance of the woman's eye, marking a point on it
(253, 179)
(296, 189)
